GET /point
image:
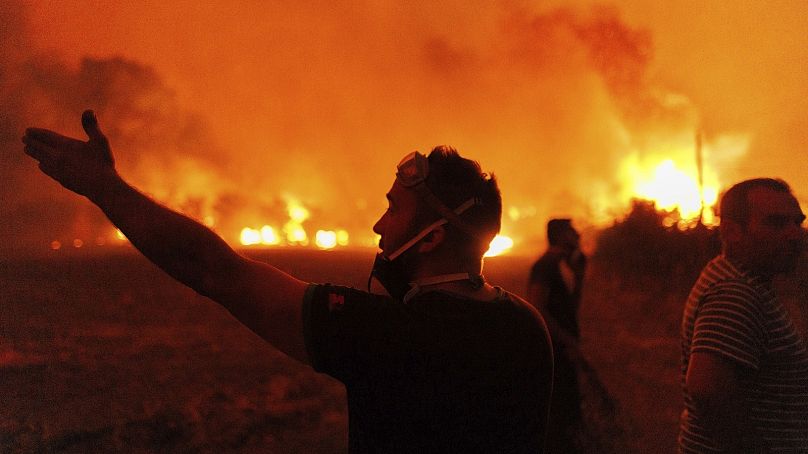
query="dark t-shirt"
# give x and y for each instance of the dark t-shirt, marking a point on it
(564, 292)
(441, 373)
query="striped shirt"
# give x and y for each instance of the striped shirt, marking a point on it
(734, 314)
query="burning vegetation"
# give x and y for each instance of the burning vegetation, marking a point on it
(578, 111)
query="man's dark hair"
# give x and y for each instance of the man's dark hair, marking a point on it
(735, 204)
(454, 180)
(556, 228)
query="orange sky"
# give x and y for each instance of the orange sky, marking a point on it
(317, 100)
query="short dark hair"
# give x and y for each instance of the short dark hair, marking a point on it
(454, 179)
(556, 228)
(735, 204)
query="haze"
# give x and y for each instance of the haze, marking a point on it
(230, 110)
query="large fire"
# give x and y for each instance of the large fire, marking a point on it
(296, 235)
(674, 188)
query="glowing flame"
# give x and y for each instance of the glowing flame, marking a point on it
(499, 245)
(325, 239)
(292, 233)
(268, 236)
(265, 235)
(295, 234)
(250, 236)
(672, 187)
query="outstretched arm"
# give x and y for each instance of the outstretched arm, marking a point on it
(260, 296)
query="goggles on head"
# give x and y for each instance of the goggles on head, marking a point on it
(413, 171)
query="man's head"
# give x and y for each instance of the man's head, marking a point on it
(466, 197)
(761, 225)
(561, 234)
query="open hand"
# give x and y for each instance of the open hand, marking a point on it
(77, 165)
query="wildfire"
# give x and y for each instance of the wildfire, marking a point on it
(673, 188)
(293, 233)
(673, 184)
(499, 245)
(265, 235)
(329, 239)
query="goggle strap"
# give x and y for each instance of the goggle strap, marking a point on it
(452, 216)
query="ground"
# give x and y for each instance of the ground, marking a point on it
(107, 354)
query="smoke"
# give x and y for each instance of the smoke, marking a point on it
(230, 110)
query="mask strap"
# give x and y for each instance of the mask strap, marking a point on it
(417, 238)
(459, 210)
(415, 287)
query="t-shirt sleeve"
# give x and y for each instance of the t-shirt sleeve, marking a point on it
(730, 324)
(343, 328)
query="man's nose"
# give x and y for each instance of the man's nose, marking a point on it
(377, 227)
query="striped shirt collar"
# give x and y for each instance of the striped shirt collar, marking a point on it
(738, 269)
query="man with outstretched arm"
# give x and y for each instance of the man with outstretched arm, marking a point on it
(744, 364)
(445, 363)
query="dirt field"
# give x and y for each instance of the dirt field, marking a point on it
(108, 354)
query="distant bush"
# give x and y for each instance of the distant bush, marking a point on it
(649, 243)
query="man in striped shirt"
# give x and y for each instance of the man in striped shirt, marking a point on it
(744, 365)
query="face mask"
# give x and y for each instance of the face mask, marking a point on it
(390, 276)
(411, 173)
(389, 270)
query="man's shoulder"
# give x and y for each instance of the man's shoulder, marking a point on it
(547, 263)
(721, 279)
(523, 310)
(550, 255)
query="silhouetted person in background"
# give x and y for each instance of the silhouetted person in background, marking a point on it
(744, 365)
(555, 289)
(446, 363)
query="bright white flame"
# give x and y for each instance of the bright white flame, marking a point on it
(325, 239)
(268, 236)
(671, 187)
(499, 245)
(265, 235)
(295, 234)
(250, 236)
(297, 212)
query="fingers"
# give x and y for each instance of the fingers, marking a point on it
(38, 150)
(48, 137)
(90, 124)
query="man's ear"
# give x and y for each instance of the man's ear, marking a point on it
(433, 239)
